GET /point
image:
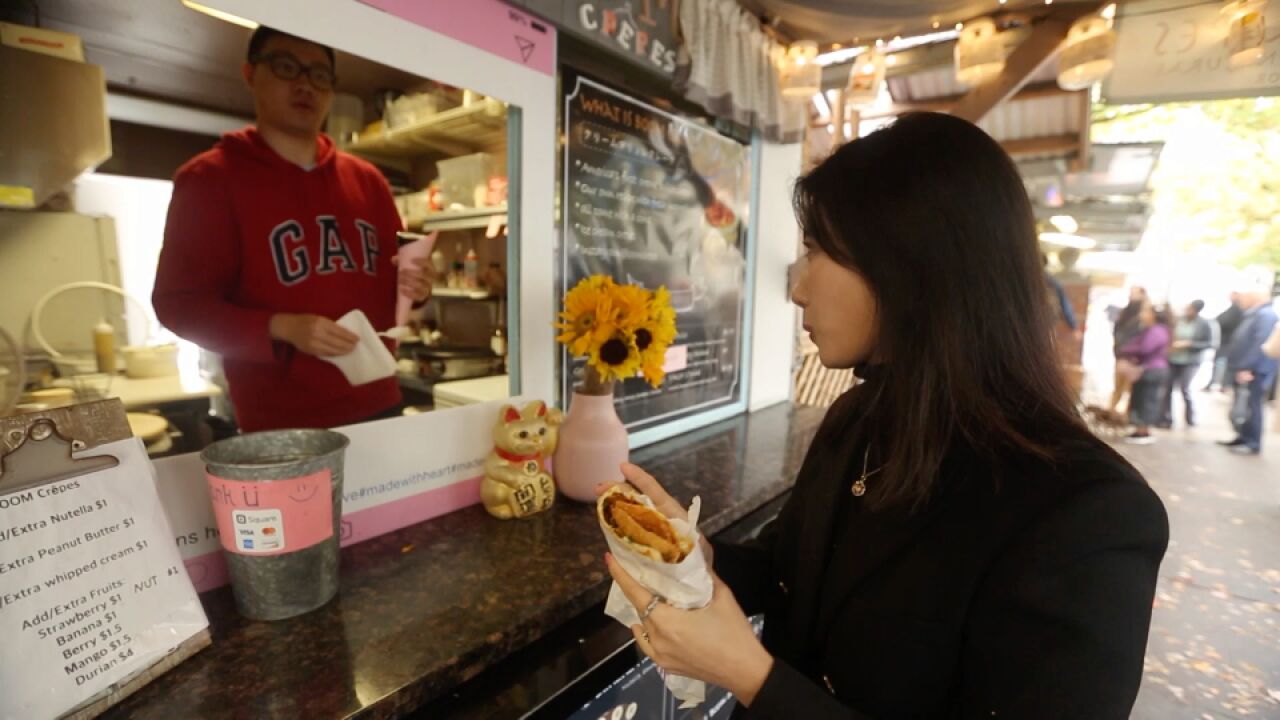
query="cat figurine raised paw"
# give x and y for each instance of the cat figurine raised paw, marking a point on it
(516, 482)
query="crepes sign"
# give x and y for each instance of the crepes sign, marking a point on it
(642, 30)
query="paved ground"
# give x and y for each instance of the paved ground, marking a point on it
(1214, 650)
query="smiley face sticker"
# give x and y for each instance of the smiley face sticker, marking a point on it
(303, 492)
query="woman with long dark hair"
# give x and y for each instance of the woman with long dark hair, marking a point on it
(957, 543)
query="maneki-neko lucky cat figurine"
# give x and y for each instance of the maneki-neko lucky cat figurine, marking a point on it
(516, 482)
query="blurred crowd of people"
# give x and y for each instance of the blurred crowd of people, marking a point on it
(1159, 354)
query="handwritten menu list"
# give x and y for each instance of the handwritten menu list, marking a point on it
(655, 199)
(92, 588)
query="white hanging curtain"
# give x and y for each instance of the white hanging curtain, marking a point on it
(728, 65)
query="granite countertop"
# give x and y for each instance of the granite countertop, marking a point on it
(426, 608)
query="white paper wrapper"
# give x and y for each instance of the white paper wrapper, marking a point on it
(370, 360)
(686, 585)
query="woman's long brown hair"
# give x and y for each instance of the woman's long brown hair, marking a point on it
(934, 215)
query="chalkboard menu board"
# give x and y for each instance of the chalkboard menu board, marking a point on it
(656, 199)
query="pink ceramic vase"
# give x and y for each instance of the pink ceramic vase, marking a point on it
(593, 443)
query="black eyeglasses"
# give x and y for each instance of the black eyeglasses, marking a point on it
(287, 68)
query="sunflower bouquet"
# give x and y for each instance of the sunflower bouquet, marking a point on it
(622, 330)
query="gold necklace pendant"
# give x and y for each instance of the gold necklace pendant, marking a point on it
(860, 485)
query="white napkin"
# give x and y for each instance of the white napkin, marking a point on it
(370, 360)
(686, 585)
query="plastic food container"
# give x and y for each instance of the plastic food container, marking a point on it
(460, 176)
(150, 361)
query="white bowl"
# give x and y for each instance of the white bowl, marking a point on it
(150, 361)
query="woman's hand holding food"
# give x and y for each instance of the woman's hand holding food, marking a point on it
(716, 643)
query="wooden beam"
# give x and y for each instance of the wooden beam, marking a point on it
(939, 105)
(837, 117)
(1040, 47)
(1043, 90)
(1049, 145)
(853, 119)
(947, 103)
(1080, 162)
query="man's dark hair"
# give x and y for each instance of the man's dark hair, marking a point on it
(1197, 305)
(264, 33)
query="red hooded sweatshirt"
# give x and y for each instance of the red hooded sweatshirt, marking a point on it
(251, 234)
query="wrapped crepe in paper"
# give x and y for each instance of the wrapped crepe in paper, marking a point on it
(662, 554)
(418, 251)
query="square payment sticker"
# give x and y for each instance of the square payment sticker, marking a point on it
(258, 531)
(252, 515)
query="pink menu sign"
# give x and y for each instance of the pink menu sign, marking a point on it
(490, 25)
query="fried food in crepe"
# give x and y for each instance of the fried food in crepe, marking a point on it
(640, 527)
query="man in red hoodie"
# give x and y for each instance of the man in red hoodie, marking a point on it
(274, 234)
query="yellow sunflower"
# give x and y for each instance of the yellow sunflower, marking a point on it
(630, 305)
(661, 317)
(622, 330)
(654, 337)
(616, 358)
(651, 365)
(586, 320)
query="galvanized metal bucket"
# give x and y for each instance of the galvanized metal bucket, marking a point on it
(267, 496)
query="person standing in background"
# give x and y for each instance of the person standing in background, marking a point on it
(1148, 350)
(1227, 321)
(1193, 336)
(1128, 325)
(1251, 369)
(1059, 300)
(271, 237)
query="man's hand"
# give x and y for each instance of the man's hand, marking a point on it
(413, 280)
(313, 334)
(1244, 377)
(1180, 344)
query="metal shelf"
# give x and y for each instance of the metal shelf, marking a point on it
(458, 131)
(469, 219)
(462, 293)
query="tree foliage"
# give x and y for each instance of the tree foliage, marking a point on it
(1218, 177)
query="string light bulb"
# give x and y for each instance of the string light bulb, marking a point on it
(1246, 31)
(979, 53)
(1088, 53)
(798, 75)
(866, 75)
